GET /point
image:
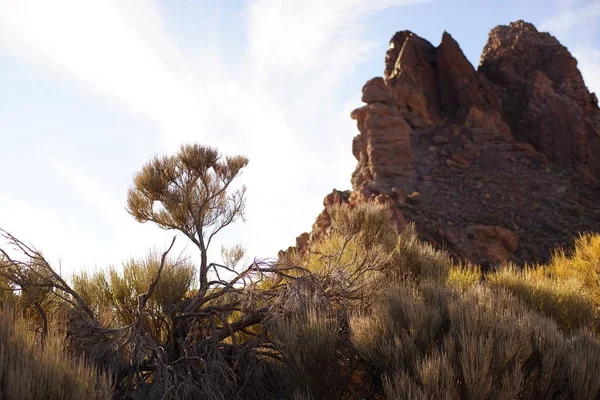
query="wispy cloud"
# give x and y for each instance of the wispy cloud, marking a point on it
(48, 231)
(572, 17)
(118, 49)
(89, 188)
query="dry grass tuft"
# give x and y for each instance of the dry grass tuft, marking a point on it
(30, 370)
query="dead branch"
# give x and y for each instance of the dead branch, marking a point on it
(36, 259)
(143, 298)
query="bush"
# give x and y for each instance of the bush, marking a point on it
(561, 299)
(483, 344)
(359, 252)
(582, 265)
(308, 348)
(464, 275)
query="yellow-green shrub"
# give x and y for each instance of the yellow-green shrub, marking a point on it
(562, 299)
(307, 340)
(581, 264)
(420, 259)
(464, 275)
(433, 342)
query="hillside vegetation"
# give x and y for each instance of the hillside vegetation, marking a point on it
(367, 313)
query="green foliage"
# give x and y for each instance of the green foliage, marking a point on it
(420, 259)
(191, 188)
(29, 370)
(360, 248)
(365, 251)
(567, 289)
(581, 265)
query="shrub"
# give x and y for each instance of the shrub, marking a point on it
(360, 250)
(559, 298)
(368, 312)
(308, 346)
(581, 264)
(433, 342)
(464, 275)
(420, 259)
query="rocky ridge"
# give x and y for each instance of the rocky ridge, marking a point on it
(496, 164)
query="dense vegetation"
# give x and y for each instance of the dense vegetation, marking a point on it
(368, 313)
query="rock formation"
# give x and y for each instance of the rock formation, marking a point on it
(496, 164)
(545, 99)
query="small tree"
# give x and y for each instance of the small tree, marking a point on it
(191, 192)
(188, 192)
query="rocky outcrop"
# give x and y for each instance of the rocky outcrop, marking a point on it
(493, 242)
(496, 164)
(430, 84)
(545, 98)
(411, 78)
(465, 94)
(383, 149)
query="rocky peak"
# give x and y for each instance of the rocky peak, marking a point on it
(544, 97)
(411, 78)
(495, 164)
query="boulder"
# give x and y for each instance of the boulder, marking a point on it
(494, 242)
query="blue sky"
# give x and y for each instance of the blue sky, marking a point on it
(90, 90)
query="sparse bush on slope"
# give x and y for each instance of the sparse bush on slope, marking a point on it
(431, 342)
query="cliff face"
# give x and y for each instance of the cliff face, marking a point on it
(496, 164)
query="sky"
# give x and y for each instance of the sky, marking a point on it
(91, 90)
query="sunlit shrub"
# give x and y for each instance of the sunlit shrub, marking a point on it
(562, 299)
(464, 275)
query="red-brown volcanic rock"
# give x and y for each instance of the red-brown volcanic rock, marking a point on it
(497, 164)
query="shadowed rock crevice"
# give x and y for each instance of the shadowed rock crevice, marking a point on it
(495, 164)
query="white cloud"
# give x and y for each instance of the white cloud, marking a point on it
(588, 60)
(118, 49)
(90, 188)
(572, 18)
(46, 230)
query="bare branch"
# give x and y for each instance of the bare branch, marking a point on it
(143, 298)
(37, 259)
